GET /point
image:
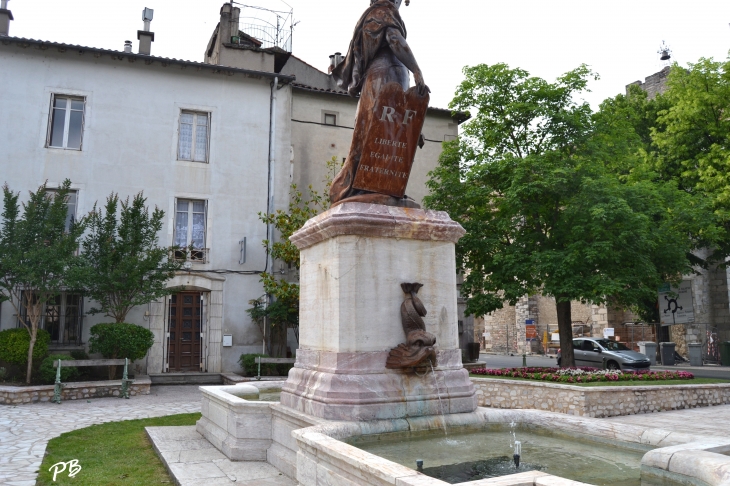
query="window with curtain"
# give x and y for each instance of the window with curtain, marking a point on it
(70, 203)
(66, 125)
(193, 138)
(190, 225)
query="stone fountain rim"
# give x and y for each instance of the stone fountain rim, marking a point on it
(378, 221)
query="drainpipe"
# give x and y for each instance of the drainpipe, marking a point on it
(270, 192)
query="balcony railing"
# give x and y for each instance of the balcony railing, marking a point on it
(194, 255)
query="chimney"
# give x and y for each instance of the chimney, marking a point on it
(127, 46)
(5, 17)
(332, 64)
(235, 15)
(225, 32)
(145, 37)
(338, 58)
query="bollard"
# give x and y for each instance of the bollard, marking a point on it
(58, 385)
(125, 381)
(524, 360)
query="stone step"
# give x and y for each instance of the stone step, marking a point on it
(186, 378)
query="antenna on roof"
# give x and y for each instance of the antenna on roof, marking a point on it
(665, 53)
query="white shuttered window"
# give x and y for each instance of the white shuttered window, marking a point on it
(66, 127)
(194, 136)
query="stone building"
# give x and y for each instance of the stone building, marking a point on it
(212, 143)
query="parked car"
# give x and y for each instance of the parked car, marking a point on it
(592, 352)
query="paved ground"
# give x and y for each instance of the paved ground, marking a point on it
(25, 430)
(193, 461)
(712, 421)
(503, 361)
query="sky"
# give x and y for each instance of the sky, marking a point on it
(618, 39)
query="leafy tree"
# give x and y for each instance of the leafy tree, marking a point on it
(544, 211)
(123, 265)
(691, 139)
(36, 251)
(280, 306)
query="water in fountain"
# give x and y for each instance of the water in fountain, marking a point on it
(438, 391)
(471, 455)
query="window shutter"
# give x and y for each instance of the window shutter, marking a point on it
(205, 222)
(50, 121)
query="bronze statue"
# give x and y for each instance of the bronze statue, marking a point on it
(419, 345)
(379, 56)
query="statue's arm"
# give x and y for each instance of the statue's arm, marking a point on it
(402, 51)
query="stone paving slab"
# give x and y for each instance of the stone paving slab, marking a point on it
(708, 421)
(25, 430)
(205, 464)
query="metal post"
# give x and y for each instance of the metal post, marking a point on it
(507, 348)
(125, 381)
(58, 386)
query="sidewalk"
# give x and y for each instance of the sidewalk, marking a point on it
(25, 430)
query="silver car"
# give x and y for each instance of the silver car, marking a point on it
(593, 352)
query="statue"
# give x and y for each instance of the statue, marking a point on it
(389, 115)
(419, 345)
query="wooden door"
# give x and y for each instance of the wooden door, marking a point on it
(185, 344)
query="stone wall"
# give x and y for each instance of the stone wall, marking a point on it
(654, 84)
(596, 402)
(22, 395)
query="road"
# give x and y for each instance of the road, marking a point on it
(502, 361)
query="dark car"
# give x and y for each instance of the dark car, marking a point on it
(593, 352)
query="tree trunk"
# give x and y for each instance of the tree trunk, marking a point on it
(112, 368)
(565, 327)
(33, 336)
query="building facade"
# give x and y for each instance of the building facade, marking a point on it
(212, 143)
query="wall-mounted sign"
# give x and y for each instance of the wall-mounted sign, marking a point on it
(608, 332)
(675, 304)
(530, 332)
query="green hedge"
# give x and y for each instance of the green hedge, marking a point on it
(250, 368)
(121, 340)
(14, 344)
(48, 373)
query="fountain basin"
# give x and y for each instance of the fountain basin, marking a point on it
(313, 451)
(470, 453)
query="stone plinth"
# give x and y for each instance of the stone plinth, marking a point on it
(353, 259)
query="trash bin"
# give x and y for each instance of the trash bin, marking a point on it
(648, 349)
(472, 351)
(725, 353)
(666, 350)
(695, 354)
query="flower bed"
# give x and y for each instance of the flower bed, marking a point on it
(583, 375)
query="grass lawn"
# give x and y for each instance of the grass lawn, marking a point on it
(696, 381)
(116, 453)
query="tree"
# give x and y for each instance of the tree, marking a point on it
(691, 138)
(280, 306)
(543, 210)
(122, 264)
(36, 251)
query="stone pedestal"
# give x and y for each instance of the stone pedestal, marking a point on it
(353, 259)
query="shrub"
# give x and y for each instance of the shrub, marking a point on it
(79, 354)
(48, 373)
(283, 369)
(121, 340)
(250, 368)
(14, 344)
